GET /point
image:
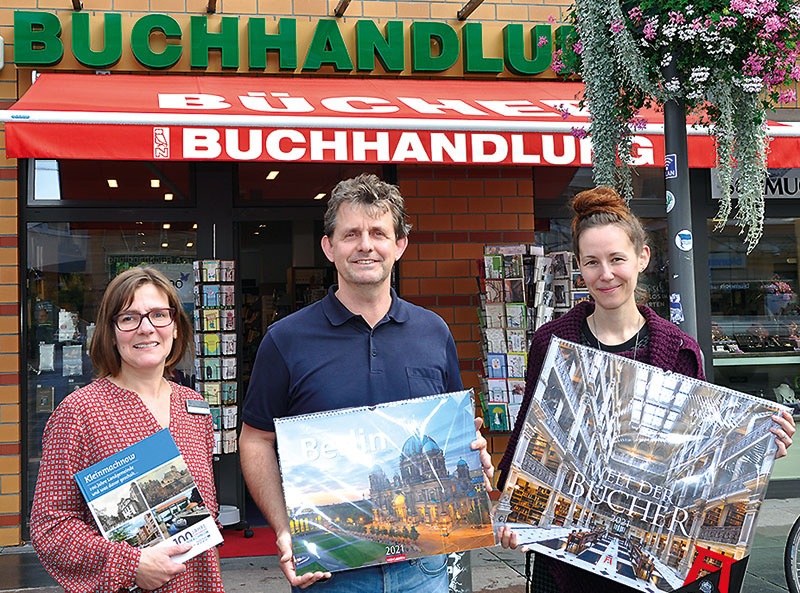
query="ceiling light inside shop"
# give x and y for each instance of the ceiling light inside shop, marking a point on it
(272, 175)
(257, 233)
(168, 197)
(112, 183)
(194, 226)
(166, 225)
(319, 196)
(155, 183)
(190, 244)
(165, 245)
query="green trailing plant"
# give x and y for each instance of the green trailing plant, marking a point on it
(735, 59)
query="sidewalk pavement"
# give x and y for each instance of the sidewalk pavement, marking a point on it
(494, 570)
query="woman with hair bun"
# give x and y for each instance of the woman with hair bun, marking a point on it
(610, 245)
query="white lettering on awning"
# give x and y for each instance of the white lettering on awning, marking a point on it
(643, 148)
(259, 102)
(196, 101)
(409, 148)
(319, 145)
(549, 150)
(345, 105)
(273, 145)
(244, 144)
(361, 145)
(479, 148)
(516, 108)
(199, 143)
(457, 105)
(253, 150)
(456, 148)
(518, 152)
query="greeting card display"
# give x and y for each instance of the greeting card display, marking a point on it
(380, 484)
(215, 345)
(645, 477)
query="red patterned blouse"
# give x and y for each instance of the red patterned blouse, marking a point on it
(92, 423)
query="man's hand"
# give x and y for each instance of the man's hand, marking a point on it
(156, 567)
(286, 560)
(479, 444)
(784, 431)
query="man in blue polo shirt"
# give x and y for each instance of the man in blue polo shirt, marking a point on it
(360, 345)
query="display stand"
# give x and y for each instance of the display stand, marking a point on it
(217, 378)
(522, 288)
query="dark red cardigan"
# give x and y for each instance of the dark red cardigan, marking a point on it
(668, 348)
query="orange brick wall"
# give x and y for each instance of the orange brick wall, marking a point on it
(455, 211)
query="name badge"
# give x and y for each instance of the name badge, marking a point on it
(197, 406)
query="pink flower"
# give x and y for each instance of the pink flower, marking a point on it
(550, 19)
(649, 30)
(635, 14)
(542, 41)
(564, 111)
(676, 18)
(727, 21)
(774, 23)
(557, 65)
(577, 47)
(579, 133)
(767, 6)
(787, 96)
(795, 74)
(616, 26)
(754, 64)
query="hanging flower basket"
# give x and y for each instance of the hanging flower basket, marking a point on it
(736, 59)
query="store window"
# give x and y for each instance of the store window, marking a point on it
(554, 187)
(68, 267)
(755, 309)
(295, 184)
(109, 183)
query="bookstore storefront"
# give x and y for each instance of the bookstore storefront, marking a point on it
(142, 160)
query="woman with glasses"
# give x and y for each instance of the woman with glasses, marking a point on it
(142, 334)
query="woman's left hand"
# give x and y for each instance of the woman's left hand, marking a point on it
(479, 444)
(784, 431)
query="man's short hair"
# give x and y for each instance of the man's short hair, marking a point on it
(375, 196)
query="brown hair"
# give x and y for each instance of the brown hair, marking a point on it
(372, 194)
(602, 206)
(118, 295)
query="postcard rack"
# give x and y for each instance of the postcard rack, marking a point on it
(215, 345)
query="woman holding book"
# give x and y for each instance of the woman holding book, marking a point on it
(610, 245)
(142, 334)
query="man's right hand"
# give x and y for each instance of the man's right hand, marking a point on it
(284, 542)
(156, 566)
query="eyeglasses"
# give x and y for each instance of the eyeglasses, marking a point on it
(128, 322)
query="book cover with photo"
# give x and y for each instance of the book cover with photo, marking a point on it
(381, 484)
(145, 496)
(645, 477)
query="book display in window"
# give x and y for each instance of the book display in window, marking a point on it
(381, 484)
(671, 471)
(216, 374)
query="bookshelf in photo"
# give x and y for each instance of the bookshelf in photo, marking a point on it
(215, 347)
(522, 288)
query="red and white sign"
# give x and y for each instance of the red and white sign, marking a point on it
(197, 118)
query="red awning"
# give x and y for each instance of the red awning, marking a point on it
(197, 118)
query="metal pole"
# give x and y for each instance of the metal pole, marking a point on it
(680, 236)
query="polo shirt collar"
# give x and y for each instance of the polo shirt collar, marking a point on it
(338, 314)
